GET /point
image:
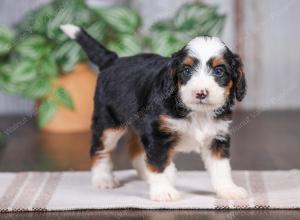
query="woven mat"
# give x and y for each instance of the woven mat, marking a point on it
(58, 191)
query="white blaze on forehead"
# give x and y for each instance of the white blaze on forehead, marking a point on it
(204, 48)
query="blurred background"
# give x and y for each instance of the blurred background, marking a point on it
(44, 75)
(263, 32)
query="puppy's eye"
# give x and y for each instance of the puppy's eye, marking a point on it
(219, 71)
(187, 72)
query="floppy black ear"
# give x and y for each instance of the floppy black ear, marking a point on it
(177, 58)
(240, 80)
(170, 79)
(167, 80)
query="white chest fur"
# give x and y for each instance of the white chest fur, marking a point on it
(198, 131)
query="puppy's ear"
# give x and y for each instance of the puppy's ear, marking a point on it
(170, 79)
(175, 62)
(240, 79)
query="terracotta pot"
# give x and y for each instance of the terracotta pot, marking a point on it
(80, 84)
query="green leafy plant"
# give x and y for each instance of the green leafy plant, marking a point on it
(190, 21)
(35, 53)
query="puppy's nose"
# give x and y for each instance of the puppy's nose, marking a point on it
(202, 94)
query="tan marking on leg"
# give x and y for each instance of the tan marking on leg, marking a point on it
(218, 153)
(137, 154)
(102, 176)
(99, 155)
(152, 168)
(164, 125)
(134, 145)
(109, 139)
(170, 155)
(111, 136)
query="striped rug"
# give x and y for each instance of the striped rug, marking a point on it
(58, 191)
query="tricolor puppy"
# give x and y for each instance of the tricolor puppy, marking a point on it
(167, 105)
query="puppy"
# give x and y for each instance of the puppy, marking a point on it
(181, 103)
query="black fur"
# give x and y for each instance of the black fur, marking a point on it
(236, 66)
(179, 68)
(225, 78)
(234, 72)
(98, 54)
(135, 91)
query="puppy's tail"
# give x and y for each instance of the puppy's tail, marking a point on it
(97, 53)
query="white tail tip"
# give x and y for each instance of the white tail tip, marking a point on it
(70, 30)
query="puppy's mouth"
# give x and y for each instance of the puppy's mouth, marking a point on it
(203, 102)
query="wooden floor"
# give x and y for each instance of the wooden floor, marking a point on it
(261, 141)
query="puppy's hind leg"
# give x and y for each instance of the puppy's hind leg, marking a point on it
(104, 140)
(137, 154)
(102, 176)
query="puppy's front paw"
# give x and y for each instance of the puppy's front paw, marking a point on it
(232, 192)
(164, 194)
(104, 181)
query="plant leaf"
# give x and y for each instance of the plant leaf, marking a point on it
(68, 11)
(97, 30)
(190, 21)
(24, 71)
(162, 26)
(63, 97)
(35, 22)
(38, 88)
(48, 66)
(120, 18)
(126, 46)
(33, 47)
(166, 43)
(46, 111)
(68, 55)
(6, 40)
(5, 83)
(198, 19)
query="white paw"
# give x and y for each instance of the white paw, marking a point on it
(171, 172)
(141, 174)
(104, 181)
(164, 194)
(232, 192)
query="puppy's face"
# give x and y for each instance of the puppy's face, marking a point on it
(208, 74)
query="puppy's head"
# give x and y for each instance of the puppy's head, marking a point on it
(208, 74)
